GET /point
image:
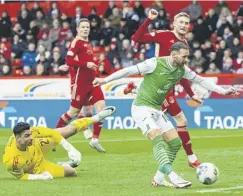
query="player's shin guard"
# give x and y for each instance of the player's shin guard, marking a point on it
(97, 129)
(160, 155)
(173, 147)
(63, 121)
(185, 138)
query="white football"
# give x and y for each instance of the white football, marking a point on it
(207, 173)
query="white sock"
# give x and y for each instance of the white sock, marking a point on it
(192, 158)
(95, 140)
(159, 176)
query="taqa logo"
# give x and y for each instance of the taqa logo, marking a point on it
(214, 121)
(9, 117)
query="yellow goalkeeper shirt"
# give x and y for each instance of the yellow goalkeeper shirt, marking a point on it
(22, 163)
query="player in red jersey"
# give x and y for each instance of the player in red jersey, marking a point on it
(163, 41)
(82, 72)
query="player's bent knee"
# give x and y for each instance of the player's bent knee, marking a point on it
(73, 112)
(180, 119)
(153, 133)
(69, 171)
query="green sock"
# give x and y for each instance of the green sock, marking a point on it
(172, 149)
(160, 155)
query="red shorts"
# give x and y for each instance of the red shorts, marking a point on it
(81, 97)
(170, 105)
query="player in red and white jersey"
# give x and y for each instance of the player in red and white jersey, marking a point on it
(163, 41)
(82, 73)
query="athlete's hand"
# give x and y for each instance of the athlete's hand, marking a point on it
(47, 176)
(92, 65)
(153, 14)
(63, 68)
(233, 91)
(98, 82)
(197, 99)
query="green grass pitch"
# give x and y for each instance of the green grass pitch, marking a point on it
(128, 167)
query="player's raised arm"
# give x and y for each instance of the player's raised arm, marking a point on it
(146, 67)
(15, 167)
(141, 34)
(191, 75)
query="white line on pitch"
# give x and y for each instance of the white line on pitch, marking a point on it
(220, 189)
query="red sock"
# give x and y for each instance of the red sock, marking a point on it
(185, 138)
(63, 121)
(97, 129)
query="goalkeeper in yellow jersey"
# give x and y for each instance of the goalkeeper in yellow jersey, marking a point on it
(24, 155)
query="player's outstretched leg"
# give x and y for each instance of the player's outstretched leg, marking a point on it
(164, 159)
(181, 122)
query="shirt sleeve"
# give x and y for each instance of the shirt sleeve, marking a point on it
(46, 132)
(192, 76)
(141, 34)
(72, 59)
(145, 67)
(15, 167)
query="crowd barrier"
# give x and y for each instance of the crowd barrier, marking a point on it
(41, 102)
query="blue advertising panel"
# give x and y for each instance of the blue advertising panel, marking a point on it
(214, 114)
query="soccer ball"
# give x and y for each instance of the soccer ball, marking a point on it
(207, 173)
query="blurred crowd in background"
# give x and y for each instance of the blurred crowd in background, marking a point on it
(36, 42)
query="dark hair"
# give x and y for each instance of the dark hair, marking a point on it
(20, 127)
(82, 20)
(177, 46)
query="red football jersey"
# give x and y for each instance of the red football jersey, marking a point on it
(79, 54)
(163, 41)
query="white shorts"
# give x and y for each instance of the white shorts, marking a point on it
(149, 119)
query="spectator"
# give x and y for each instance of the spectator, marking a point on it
(228, 37)
(211, 20)
(35, 9)
(5, 48)
(109, 10)
(44, 62)
(93, 15)
(236, 47)
(157, 5)
(238, 61)
(127, 60)
(149, 50)
(34, 30)
(40, 19)
(208, 48)
(113, 51)
(213, 69)
(132, 21)
(123, 28)
(139, 9)
(5, 68)
(141, 57)
(5, 25)
(104, 65)
(40, 69)
(56, 61)
(240, 71)
(239, 25)
(24, 20)
(78, 16)
(239, 12)
(63, 33)
(115, 18)
(28, 58)
(23, 7)
(162, 22)
(221, 4)
(45, 42)
(17, 29)
(220, 53)
(44, 29)
(222, 25)
(197, 60)
(27, 70)
(126, 47)
(194, 10)
(228, 66)
(106, 33)
(201, 31)
(54, 12)
(95, 34)
(54, 32)
(226, 14)
(190, 38)
(18, 47)
(41, 50)
(30, 39)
